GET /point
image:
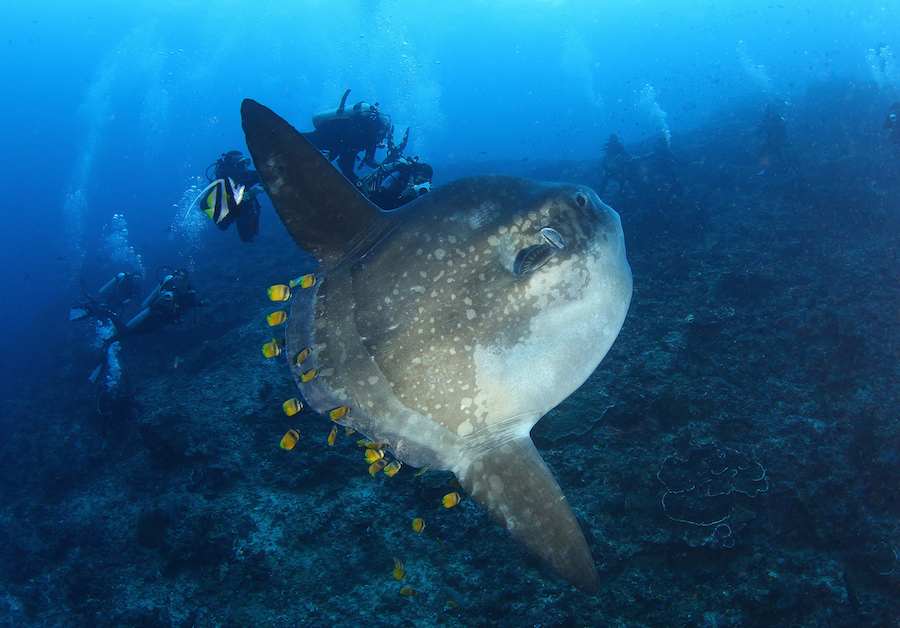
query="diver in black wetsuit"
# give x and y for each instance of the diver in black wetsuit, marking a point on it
(344, 132)
(397, 182)
(233, 165)
(662, 173)
(115, 296)
(115, 401)
(164, 306)
(618, 165)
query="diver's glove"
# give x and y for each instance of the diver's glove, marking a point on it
(254, 190)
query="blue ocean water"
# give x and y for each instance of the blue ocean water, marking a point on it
(112, 112)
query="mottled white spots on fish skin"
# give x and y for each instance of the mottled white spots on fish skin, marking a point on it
(465, 428)
(470, 314)
(439, 254)
(492, 241)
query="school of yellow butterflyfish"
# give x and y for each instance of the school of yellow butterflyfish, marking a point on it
(374, 451)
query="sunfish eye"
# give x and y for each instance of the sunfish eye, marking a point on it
(551, 236)
(581, 199)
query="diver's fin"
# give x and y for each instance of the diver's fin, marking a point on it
(324, 213)
(96, 372)
(78, 314)
(514, 485)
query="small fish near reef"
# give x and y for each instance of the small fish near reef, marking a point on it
(448, 327)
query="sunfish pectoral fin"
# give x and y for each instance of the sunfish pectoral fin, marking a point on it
(514, 485)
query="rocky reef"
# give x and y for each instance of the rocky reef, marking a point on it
(734, 461)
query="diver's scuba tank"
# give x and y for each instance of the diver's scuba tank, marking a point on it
(360, 109)
(111, 286)
(168, 277)
(138, 319)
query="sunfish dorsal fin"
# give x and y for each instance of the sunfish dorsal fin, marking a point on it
(513, 484)
(322, 211)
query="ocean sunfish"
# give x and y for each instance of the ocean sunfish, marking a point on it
(447, 328)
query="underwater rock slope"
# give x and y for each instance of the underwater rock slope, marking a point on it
(762, 343)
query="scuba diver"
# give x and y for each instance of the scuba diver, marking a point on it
(231, 195)
(164, 306)
(344, 132)
(662, 175)
(773, 136)
(115, 401)
(618, 165)
(397, 180)
(115, 296)
(892, 123)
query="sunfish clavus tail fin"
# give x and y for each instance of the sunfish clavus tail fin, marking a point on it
(514, 485)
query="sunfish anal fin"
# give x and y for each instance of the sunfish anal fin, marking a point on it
(514, 485)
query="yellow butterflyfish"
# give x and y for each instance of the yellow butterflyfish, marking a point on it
(279, 292)
(302, 356)
(377, 466)
(332, 436)
(450, 500)
(374, 454)
(339, 413)
(309, 375)
(348, 431)
(418, 524)
(292, 406)
(306, 281)
(422, 471)
(271, 349)
(290, 439)
(408, 592)
(392, 468)
(276, 318)
(399, 571)
(371, 444)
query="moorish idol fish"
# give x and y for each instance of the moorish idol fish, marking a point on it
(220, 198)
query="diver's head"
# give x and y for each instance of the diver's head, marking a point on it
(234, 159)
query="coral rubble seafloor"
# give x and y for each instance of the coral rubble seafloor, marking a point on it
(762, 339)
